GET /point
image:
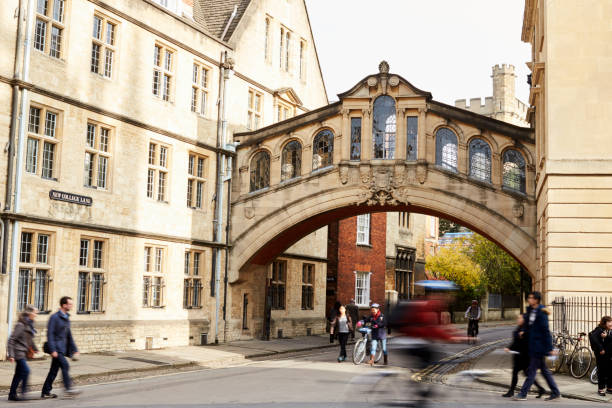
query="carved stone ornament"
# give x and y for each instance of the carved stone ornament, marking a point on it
(364, 174)
(383, 67)
(249, 212)
(518, 210)
(372, 81)
(394, 81)
(382, 189)
(421, 172)
(344, 174)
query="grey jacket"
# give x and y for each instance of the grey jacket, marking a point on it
(21, 340)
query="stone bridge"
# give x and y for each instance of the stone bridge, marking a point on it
(385, 146)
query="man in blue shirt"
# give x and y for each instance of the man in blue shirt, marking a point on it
(60, 345)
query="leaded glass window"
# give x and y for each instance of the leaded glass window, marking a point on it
(260, 171)
(323, 149)
(355, 138)
(480, 160)
(446, 149)
(514, 170)
(412, 131)
(291, 165)
(384, 127)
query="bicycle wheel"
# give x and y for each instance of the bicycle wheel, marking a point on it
(555, 364)
(594, 376)
(359, 351)
(580, 362)
(379, 351)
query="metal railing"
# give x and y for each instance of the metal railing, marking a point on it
(579, 314)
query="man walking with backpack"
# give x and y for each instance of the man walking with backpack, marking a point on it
(60, 345)
(540, 345)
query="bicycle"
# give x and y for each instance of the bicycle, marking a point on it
(580, 358)
(594, 377)
(362, 347)
(472, 331)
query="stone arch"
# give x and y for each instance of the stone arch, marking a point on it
(529, 160)
(321, 128)
(486, 137)
(282, 142)
(461, 136)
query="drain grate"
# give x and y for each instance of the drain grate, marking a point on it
(144, 360)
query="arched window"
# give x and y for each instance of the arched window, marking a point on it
(323, 149)
(291, 164)
(446, 149)
(383, 127)
(260, 171)
(514, 170)
(480, 160)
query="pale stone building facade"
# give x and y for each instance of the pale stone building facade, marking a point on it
(503, 105)
(570, 106)
(118, 136)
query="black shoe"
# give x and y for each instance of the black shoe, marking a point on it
(509, 394)
(48, 396)
(541, 392)
(553, 397)
(14, 398)
(601, 393)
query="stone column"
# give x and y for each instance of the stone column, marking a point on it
(462, 158)
(366, 135)
(345, 148)
(422, 136)
(496, 166)
(400, 134)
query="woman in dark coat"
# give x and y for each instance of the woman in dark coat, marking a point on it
(601, 344)
(520, 359)
(20, 344)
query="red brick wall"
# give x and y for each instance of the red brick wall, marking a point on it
(352, 257)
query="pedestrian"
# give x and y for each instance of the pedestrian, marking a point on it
(21, 347)
(601, 344)
(353, 311)
(342, 325)
(60, 345)
(378, 322)
(333, 312)
(520, 360)
(473, 313)
(540, 345)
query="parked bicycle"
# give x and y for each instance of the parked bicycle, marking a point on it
(362, 347)
(572, 352)
(594, 376)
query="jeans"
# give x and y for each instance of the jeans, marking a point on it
(343, 338)
(22, 372)
(535, 363)
(56, 364)
(375, 345)
(604, 366)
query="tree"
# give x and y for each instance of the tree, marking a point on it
(454, 264)
(448, 226)
(501, 272)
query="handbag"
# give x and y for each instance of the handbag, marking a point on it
(30, 353)
(46, 348)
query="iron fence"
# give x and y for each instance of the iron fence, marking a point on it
(579, 314)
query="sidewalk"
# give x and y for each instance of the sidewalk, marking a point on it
(103, 364)
(570, 387)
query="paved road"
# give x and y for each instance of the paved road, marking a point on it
(303, 380)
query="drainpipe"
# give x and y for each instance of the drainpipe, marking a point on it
(228, 178)
(18, 165)
(12, 132)
(227, 26)
(225, 69)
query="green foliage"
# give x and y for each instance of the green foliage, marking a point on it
(454, 264)
(448, 226)
(501, 272)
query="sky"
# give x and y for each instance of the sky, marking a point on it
(446, 47)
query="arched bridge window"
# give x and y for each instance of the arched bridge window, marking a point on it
(514, 170)
(291, 165)
(480, 160)
(446, 149)
(384, 127)
(260, 171)
(323, 149)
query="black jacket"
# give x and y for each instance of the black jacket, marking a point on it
(59, 336)
(520, 343)
(599, 343)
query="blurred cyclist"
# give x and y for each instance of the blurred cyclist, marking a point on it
(473, 315)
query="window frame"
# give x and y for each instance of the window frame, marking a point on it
(363, 228)
(160, 67)
(33, 266)
(255, 184)
(278, 286)
(366, 288)
(473, 149)
(441, 137)
(49, 21)
(195, 179)
(97, 152)
(156, 169)
(324, 163)
(308, 285)
(384, 142)
(104, 46)
(287, 158)
(42, 140)
(200, 88)
(192, 281)
(152, 275)
(90, 270)
(521, 167)
(254, 110)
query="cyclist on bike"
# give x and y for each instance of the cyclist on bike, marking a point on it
(379, 332)
(473, 315)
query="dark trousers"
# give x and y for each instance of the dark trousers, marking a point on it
(343, 338)
(604, 368)
(521, 363)
(22, 372)
(537, 363)
(56, 364)
(473, 325)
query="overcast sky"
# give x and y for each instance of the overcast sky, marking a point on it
(446, 47)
